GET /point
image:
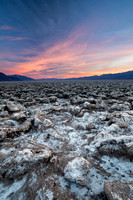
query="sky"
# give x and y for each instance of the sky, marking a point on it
(66, 38)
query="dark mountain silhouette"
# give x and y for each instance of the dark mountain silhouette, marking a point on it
(123, 75)
(21, 78)
(118, 76)
(48, 79)
(4, 77)
(15, 77)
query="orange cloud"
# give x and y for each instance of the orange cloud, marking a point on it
(6, 27)
(76, 57)
(12, 38)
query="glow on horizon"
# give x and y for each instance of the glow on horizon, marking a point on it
(76, 40)
(71, 58)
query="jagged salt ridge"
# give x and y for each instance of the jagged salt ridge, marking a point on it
(66, 140)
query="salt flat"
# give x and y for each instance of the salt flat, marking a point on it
(66, 140)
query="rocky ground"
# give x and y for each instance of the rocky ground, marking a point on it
(66, 140)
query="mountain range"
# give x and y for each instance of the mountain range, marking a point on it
(15, 77)
(123, 75)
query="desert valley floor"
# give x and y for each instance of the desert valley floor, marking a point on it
(66, 140)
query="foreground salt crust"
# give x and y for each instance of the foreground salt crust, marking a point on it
(66, 140)
(76, 170)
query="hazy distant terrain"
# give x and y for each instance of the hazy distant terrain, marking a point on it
(66, 140)
(4, 77)
(117, 76)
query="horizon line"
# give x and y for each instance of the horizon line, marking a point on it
(67, 78)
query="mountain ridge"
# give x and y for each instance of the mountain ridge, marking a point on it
(15, 77)
(117, 76)
(22, 78)
(122, 75)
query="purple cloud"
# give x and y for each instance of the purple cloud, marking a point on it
(13, 38)
(6, 27)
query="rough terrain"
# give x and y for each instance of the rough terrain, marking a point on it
(66, 140)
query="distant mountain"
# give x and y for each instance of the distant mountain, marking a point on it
(48, 79)
(118, 76)
(15, 77)
(21, 78)
(4, 77)
(123, 75)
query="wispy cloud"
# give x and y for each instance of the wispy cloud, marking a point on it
(13, 38)
(77, 56)
(6, 27)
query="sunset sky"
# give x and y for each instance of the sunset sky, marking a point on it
(66, 38)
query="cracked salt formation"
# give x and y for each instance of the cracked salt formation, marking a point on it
(66, 140)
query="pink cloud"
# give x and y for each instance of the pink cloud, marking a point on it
(12, 38)
(6, 27)
(75, 57)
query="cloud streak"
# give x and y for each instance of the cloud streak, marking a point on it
(74, 57)
(6, 27)
(12, 38)
(70, 58)
(66, 39)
